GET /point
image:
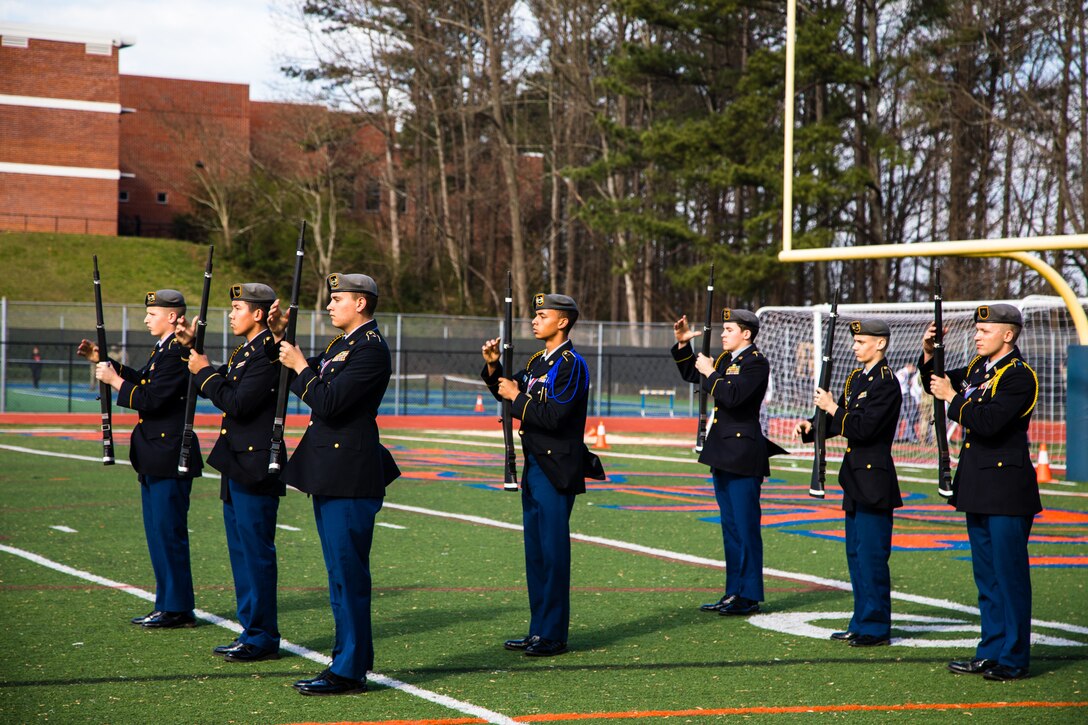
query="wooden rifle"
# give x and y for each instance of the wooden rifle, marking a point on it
(820, 420)
(940, 420)
(510, 471)
(105, 392)
(186, 453)
(275, 454)
(700, 435)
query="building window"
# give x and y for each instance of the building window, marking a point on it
(122, 196)
(372, 199)
(161, 197)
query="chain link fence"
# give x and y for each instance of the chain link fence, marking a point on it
(436, 359)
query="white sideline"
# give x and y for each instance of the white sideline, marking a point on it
(660, 553)
(443, 700)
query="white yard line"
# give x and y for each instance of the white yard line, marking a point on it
(448, 702)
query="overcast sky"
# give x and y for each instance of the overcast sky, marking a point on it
(237, 41)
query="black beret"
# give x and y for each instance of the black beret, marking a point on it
(252, 292)
(1007, 314)
(741, 317)
(542, 301)
(164, 298)
(871, 326)
(339, 282)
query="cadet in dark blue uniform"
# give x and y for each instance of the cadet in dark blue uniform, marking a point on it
(245, 390)
(736, 449)
(867, 413)
(995, 484)
(157, 392)
(341, 462)
(549, 398)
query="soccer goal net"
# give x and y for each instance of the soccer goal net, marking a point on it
(792, 339)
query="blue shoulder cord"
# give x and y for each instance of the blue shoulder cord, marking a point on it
(579, 376)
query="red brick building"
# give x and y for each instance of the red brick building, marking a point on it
(60, 105)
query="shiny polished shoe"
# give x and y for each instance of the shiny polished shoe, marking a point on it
(718, 605)
(224, 648)
(545, 648)
(320, 676)
(149, 615)
(519, 645)
(971, 667)
(1004, 673)
(844, 636)
(332, 684)
(170, 620)
(740, 606)
(250, 653)
(868, 640)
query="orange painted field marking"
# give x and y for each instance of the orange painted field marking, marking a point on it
(638, 714)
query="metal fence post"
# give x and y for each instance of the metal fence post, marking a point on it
(124, 334)
(70, 376)
(226, 327)
(396, 371)
(3, 354)
(600, 365)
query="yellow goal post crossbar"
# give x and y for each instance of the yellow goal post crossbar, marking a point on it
(1011, 248)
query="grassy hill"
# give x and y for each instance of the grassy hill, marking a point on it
(50, 267)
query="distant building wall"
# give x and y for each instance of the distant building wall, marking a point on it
(59, 142)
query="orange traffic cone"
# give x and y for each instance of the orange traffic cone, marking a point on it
(602, 441)
(479, 403)
(1042, 471)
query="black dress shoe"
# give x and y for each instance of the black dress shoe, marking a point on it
(149, 615)
(971, 667)
(740, 606)
(224, 648)
(844, 636)
(868, 640)
(718, 605)
(521, 644)
(1004, 673)
(331, 684)
(250, 653)
(545, 648)
(170, 620)
(320, 676)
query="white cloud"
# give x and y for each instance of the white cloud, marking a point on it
(236, 41)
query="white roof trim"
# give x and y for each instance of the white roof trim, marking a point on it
(60, 104)
(79, 172)
(66, 35)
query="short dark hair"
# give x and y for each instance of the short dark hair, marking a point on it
(571, 316)
(371, 301)
(743, 327)
(263, 306)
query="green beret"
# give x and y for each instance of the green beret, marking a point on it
(339, 282)
(741, 317)
(164, 298)
(252, 292)
(542, 301)
(871, 326)
(1007, 314)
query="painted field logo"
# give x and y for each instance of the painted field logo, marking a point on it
(908, 630)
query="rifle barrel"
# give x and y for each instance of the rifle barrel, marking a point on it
(510, 472)
(105, 392)
(940, 419)
(817, 485)
(280, 418)
(700, 435)
(187, 435)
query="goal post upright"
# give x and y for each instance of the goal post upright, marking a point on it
(1019, 249)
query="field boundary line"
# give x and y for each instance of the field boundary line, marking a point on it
(484, 714)
(655, 552)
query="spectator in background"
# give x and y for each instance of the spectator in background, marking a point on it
(36, 366)
(908, 383)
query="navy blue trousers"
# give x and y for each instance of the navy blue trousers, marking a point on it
(346, 529)
(868, 548)
(165, 503)
(545, 515)
(738, 503)
(250, 521)
(999, 557)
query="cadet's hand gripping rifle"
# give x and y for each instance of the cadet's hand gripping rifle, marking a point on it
(289, 336)
(105, 392)
(510, 470)
(820, 420)
(198, 346)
